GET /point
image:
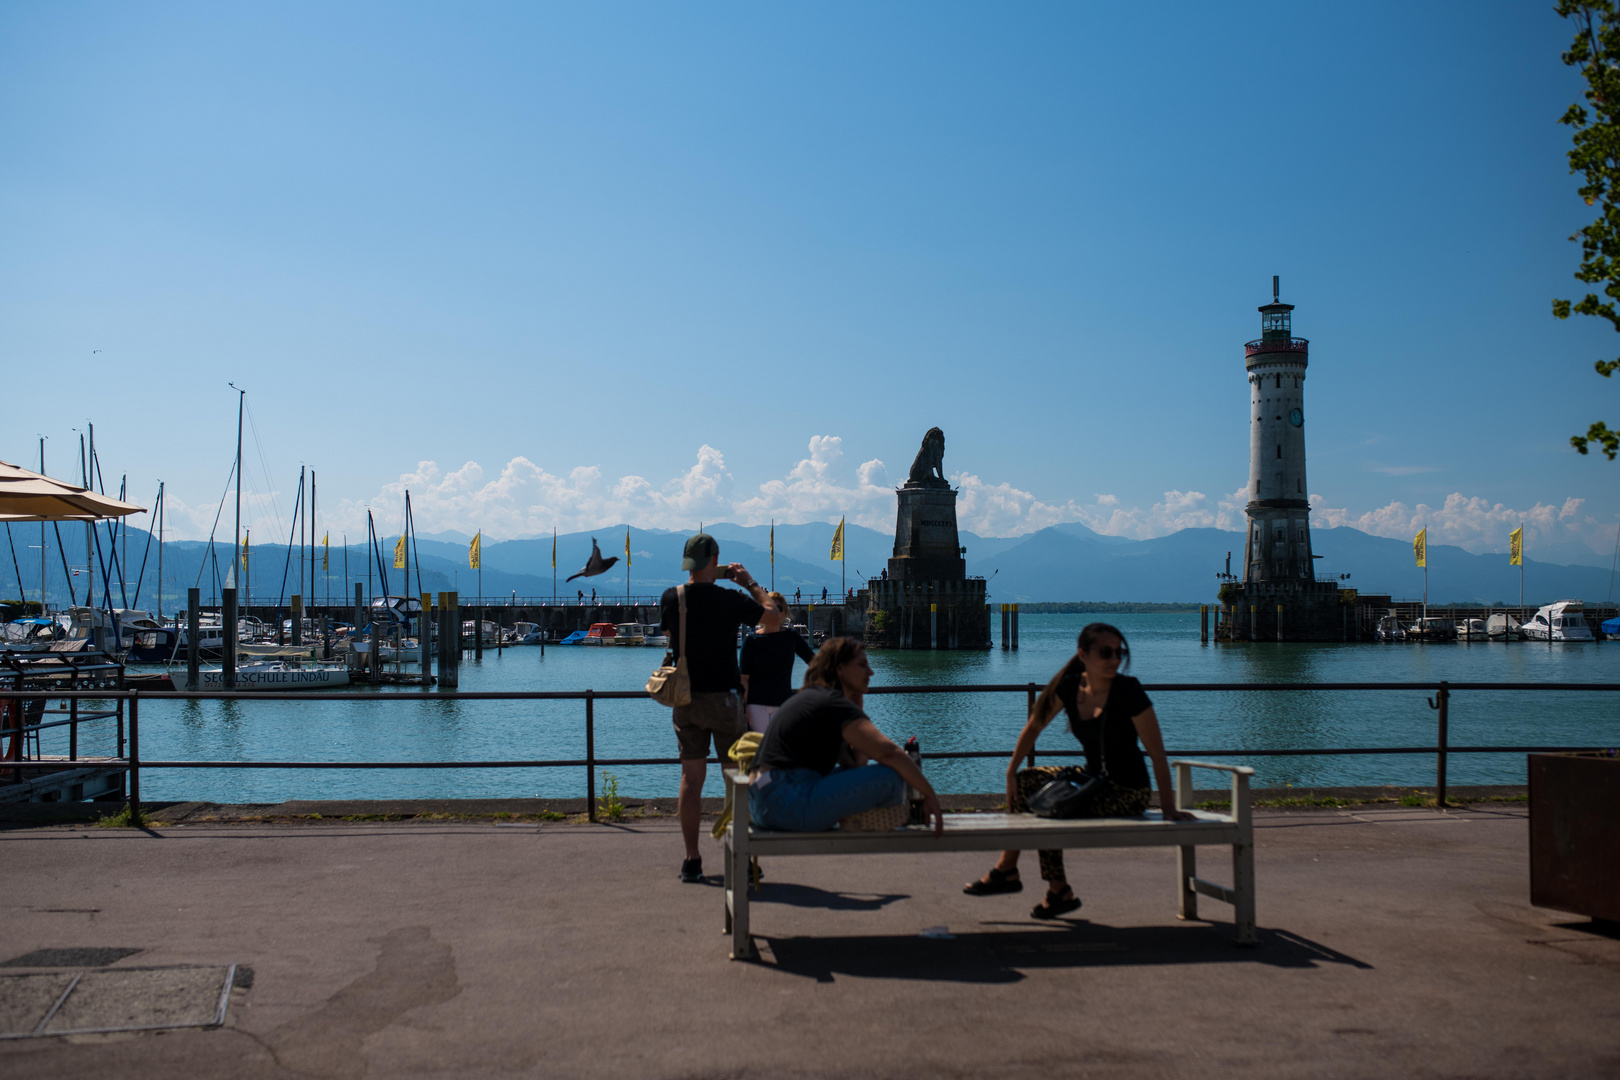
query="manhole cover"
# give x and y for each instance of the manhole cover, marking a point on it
(119, 999)
(70, 958)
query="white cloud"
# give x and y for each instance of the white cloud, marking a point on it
(525, 499)
(1476, 524)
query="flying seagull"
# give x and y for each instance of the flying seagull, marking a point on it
(595, 564)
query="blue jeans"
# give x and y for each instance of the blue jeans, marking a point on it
(802, 800)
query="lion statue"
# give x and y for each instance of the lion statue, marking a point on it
(929, 468)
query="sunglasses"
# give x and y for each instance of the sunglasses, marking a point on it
(1108, 652)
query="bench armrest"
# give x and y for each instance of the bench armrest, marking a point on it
(1240, 769)
(1240, 774)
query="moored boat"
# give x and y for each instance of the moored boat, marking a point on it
(1503, 625)
(1564, 620)
(272, 676)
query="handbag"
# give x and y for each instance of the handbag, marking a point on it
(1075, 792)
(669, 684)
(1072, 795)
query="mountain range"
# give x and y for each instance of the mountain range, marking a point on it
(1061, 563)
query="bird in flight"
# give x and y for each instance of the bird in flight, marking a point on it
(596, 564)
(94, 351)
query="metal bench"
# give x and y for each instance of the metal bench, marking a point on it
(1020, 832)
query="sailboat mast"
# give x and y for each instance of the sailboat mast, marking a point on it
(160, 552)
(89, 563)
(241, 398)
(42, 561)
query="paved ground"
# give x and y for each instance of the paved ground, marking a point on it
(1395, 942)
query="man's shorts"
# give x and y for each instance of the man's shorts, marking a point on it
(718, 714)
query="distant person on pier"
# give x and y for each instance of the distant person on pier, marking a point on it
(713, 616)
(1108, 713)
(767, 665)
(581, 597)
(811, 771)
(824, 594)
(796, 596)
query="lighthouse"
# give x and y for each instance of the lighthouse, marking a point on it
(1279, 597)
(1278, 546)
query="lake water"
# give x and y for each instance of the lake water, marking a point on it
(1165, 649)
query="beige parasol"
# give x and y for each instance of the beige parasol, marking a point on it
(30, 496)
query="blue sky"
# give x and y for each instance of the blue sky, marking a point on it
(607, 262)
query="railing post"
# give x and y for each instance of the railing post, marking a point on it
(134, 756)
(1442, 705)
(119, 709)
(1029, 709)
(73, 725)
(590, 754)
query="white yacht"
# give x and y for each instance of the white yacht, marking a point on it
(1471, 630)
(1390, 629)
(1561, 621)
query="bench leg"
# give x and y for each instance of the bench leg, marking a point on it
(1243, 887)
(1186, 870)
(725, 891)
(742, 943)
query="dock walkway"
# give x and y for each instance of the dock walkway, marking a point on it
(1393, 941)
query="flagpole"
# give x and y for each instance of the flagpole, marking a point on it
(773, 554)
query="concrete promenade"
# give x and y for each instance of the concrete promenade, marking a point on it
(1395, 942)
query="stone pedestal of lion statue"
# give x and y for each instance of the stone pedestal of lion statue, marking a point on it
(926, 600)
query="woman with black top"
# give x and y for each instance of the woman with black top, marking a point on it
(803, 779)
(1108, 713)
(767, 665)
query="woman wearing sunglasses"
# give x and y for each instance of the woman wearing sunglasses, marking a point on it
(1108, 713)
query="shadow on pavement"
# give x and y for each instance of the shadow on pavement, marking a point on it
(1002, 956)
(808, 896)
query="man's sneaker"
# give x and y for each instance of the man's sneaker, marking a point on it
(691, 870)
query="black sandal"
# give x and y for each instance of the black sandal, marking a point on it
(1055, 905)
(1001, 881)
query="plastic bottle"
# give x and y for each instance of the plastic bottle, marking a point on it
(913, 796)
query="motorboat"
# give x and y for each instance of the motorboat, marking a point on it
(1564, 620)
(1610, 628)
(1390, 629)
(275, 675)
(653, 634)
(601, 633)
(628, 633)
(524, 633)
(578, 637)
(1432, 628)
(30, 634)
(1471, 630)
(1503, 625)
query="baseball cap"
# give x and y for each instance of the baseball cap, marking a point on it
(700, 552)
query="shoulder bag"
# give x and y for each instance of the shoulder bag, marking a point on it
(670, 685)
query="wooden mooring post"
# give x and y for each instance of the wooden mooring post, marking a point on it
(297, 605)
(424, 640)
(227, 675)
(193, 632)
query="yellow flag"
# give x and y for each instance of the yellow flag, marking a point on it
(627, 547)
(326, 551)
(399, 553)
(245, 550)
(1420, 547)
(475, 552)
(1516, 547)
(838, 543)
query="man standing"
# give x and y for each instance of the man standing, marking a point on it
(713, 615)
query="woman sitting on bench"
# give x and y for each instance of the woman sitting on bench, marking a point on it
(1108, 713)
(810, 770)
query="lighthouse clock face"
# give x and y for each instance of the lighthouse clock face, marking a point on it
(1296, 418)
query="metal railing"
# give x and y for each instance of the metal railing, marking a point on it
(129, 725)
(1276, 344)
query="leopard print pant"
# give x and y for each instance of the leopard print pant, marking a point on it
(1112, 801)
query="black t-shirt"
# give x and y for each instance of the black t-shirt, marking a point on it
(713, 615)
(767, 660)
(1120, 753)
(808, 732)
